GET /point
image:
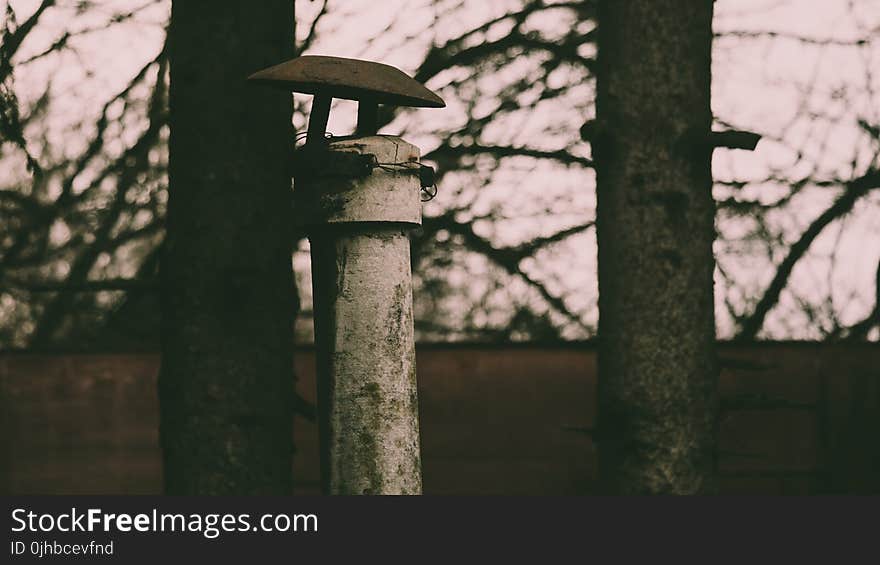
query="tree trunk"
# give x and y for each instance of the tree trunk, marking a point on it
(657, 367)
(226, 382)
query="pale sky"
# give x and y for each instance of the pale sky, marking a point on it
(805, 97)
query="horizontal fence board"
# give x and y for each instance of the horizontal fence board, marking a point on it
(798, 418)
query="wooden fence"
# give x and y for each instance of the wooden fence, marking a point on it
(797, 418)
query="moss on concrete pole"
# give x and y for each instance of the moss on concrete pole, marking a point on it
(362, 289)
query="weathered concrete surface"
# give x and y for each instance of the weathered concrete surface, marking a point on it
(362, 288)
(390, 194)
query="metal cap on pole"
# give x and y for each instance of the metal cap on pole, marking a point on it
(368, 82)
(357, 197)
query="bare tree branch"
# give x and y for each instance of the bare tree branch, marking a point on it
(853, 192)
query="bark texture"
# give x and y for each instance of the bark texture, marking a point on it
(658, 373)
(226, 382)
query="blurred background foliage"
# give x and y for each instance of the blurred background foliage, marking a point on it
(507, 250)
